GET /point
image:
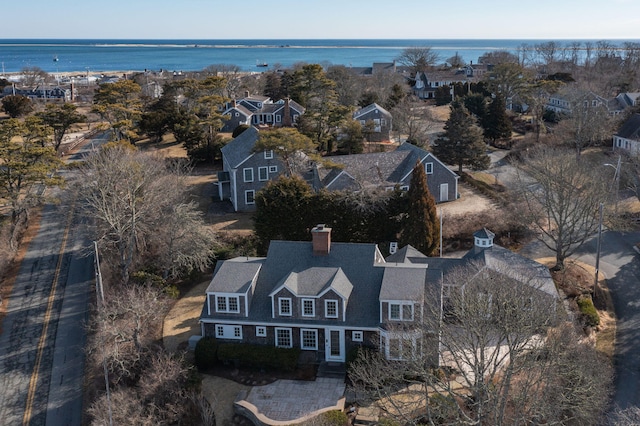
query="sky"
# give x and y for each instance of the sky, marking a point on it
(321, 19)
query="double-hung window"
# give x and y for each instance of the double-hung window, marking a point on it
(268, 154)
(331, 308)
(283, 338)
(229, 304)
(247, 175)
(401, 311)
(308, 339)
(284, 306)
(308, 308)
(263, 173)
(428, 168)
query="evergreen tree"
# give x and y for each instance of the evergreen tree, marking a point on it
(496, 123)
(281, 211)
(476, 104)
(462, 143)
(422, 227)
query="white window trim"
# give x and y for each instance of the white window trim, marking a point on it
(428, 168)
(277, 342)
(357, 336)
(226, 304)
(313, 307)
(402, 339)
(261, 331)
(401, 306)
(273, 169)
(326, 308)
(282, 299)
(308, 348)
(268, 154)
(228, 331)
(266, 173)
(244, 174)
(253, 196)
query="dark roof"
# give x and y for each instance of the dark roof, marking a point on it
(630, 129)
(484, 233)
(234, 275)
(369, 108)
(240, 147)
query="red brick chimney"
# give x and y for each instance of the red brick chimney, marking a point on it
(321, 240)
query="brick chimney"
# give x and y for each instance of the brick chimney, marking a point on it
(321, 240)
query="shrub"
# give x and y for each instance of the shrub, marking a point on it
(335, 418)
(258, 356)
(206, 353)
(588, 311)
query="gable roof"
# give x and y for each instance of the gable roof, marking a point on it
(315, 281)
(240, 108)
(240, 147)
(370, 108)
(234, 275)
(630, 129)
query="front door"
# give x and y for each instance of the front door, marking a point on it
(444, 192)
(334, 344)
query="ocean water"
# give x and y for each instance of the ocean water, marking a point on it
(93, 56)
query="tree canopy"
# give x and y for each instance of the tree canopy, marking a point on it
(462, 143)
(60, 117)
(421, 228)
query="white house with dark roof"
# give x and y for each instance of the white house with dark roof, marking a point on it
(328, 298)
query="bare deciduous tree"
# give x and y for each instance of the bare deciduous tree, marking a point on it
(561, 197)
(503, 360)
(138, 203)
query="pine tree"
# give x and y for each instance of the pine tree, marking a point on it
(422, 226)
(496, 123)
(462, 143)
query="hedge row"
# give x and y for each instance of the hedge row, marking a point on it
(258, 356)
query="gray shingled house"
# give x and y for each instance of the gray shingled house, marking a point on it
(380, 120)
(628, 136)
(245, 172)
(258, 110)
(387, 170)
(327, 298)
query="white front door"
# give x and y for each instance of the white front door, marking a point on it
(334, 344)
(444, 192)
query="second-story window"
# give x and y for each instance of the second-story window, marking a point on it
(401, 311)
(248, 175)
(263, 173)
(331, 308)
(284, 306)
(228, 304)
(308, 308)
(268, 154)
(428, 168)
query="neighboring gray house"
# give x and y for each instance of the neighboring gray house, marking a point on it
(260, 111)
(245, 172)
(328, 298)
(380, 120)
(628, 137)
(41, 92)
(387, 170)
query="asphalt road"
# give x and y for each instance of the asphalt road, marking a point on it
(43, 335)
(621, 266)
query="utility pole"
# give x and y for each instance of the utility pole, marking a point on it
(100, 303)
(595, 284)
